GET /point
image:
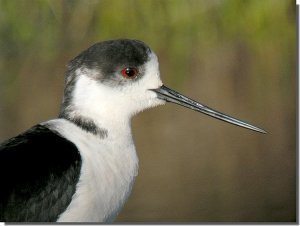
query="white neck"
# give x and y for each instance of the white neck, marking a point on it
(101, 104)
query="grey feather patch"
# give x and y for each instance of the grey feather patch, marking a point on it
(107, 59)
(87, 124)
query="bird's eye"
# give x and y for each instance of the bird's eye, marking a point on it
(129, 72)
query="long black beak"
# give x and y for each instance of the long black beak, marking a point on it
(172, 96)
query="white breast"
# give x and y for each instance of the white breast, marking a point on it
(109, 168)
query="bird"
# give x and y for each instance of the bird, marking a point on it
(81, 166)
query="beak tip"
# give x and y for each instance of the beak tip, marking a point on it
(262, 131)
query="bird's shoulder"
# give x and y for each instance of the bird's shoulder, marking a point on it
(39, 170)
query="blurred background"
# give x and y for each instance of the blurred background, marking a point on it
(236, 56)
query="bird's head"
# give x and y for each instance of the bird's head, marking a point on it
(119, 78)
(111, 80)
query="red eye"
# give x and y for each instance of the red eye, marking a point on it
(129, 72)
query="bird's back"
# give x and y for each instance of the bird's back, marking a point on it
(39, 170)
